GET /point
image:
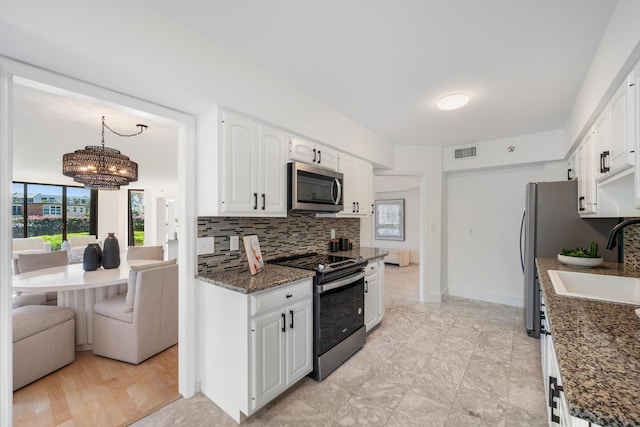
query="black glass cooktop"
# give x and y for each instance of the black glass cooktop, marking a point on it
(309, 261)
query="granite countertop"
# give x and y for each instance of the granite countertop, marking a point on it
(365, 252)
(241, 280)
(598, 349)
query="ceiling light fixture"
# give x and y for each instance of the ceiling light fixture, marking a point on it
(453, 101)
(100, 167)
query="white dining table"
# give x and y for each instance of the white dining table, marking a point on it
(79, 290)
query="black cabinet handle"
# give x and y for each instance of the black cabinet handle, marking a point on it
(284, 322)
(371, 208)
(581, 203)
(314, 155)
(319, 156)
(358, 207)
(353, 209)
(601, 162)
(289, 295)
(366, 287)
(554, 393)
(263, 200)
(291, 313)
(255, 200)
(569, 174)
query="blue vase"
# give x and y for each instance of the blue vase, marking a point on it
(111, 252)
(92, 257)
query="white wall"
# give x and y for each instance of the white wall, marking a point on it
(523, 149)
(154, 59)
(411, 240)
(483, 210)
(619, 49)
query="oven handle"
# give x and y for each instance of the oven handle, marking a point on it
(340, 283)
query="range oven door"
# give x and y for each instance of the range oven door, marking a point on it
(339, 311)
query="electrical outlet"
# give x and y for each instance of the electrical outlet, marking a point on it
(205, 245)
(333, 233)
(234, 242)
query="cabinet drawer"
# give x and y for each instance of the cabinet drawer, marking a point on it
(266, 300)
(371, 269)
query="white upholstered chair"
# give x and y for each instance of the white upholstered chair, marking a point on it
(145, 252)
(77, 244)
(29, 245)
(31, 262)
(143, 322)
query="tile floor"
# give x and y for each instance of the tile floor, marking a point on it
(459, 363)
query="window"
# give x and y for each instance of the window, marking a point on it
(390, 219)
(136, 218)
(42, 210)
(52, 210)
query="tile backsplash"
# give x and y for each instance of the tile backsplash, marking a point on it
(295, 234)
(632, 246)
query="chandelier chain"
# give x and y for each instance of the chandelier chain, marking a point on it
(105, 125)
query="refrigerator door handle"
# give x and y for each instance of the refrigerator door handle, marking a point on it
(524, 213)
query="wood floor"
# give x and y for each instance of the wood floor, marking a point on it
(96, 391)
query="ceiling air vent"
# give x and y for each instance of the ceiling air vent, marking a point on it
(461, 153)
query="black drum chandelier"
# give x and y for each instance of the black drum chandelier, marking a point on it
(99, 167)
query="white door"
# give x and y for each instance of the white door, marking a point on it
(348, 197)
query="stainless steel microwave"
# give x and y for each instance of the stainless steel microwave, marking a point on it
(313, 189)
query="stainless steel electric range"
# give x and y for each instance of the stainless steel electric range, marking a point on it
(338, 307)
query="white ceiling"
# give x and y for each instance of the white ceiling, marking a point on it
(384, 63)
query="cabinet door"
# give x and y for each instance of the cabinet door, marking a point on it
(371, 301)
(268, 356)
(362, 178)
(346, 167)
(620, 143)
(299, 341)
(239, 165)
(600, 146)
(302, 151)
(327, 157)
(272, 171)
(312, 153)
(586, 181)
(357, 185)
(380, 290)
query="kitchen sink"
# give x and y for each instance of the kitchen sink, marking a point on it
(596, 286)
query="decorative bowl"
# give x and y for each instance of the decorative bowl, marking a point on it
(579, 261)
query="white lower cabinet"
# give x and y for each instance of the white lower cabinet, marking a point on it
(253, 347)
(281, 351)
(557, 408)
(373, 294)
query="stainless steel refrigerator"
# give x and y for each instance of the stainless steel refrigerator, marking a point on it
(551, 222)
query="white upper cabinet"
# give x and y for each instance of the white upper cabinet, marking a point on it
(614, 145)
(622, 147)
(312, 153)
(253, 166)
(585, 175)
(357, 185)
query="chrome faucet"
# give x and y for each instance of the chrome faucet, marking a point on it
(613, 234)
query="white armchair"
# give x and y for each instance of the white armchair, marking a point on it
(135, 326)
(79, 243)
(29, 245)
(31, 262)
